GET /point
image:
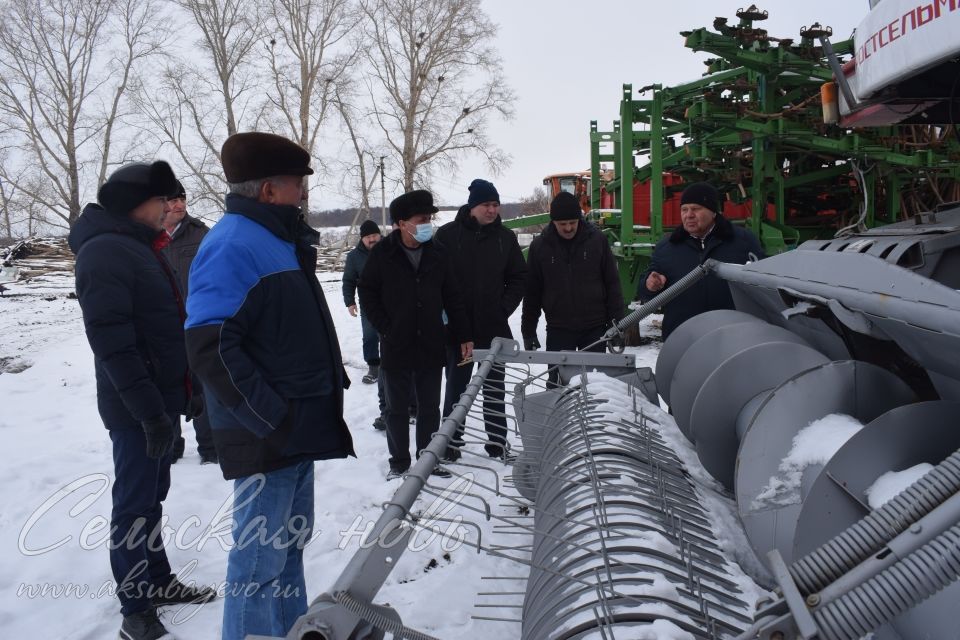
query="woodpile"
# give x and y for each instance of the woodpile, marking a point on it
(34, 257)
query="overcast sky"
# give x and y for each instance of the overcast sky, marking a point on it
(567, 59)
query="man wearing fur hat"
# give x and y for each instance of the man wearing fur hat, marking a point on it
(260, 337)
(405, 288)
(704, 233)
(573, 278)
(489, 265)
(133, 316)
(179, 245)
(356, 259)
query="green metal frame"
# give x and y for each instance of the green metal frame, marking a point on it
(752, 125)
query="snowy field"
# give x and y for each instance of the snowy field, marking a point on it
(54, 570)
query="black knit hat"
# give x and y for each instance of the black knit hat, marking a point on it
(368, 228)
(565, 206)
(482, 191)
(135, 183)
(255, 155)
(703, 194)
(410, 204)
(180, 191)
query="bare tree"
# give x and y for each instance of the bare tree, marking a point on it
(198, 101)
(536, 202)
(356, 176)
(435, 81)
(309, 52)
(62, 83)
(230, 29)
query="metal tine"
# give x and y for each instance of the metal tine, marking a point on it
(492, 619)
(604, 609)
(430, 489)
(659, 486)
(528, 563)
(602, 554)
(702, 550)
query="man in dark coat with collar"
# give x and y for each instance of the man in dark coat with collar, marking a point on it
(573, 278)
(704, 233)
(133, 316)
(260, 337)
(179, 245)
(489, 265)
(356, 260)
(405, 289)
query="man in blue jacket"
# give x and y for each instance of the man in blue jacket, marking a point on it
(260, 337)
(133, 316)
(704, 233)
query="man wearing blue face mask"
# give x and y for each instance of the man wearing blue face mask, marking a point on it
(404, 289)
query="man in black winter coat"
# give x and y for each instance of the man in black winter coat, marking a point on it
(573, 278)
(133, 316)
(704, 233)
(405, 288)
(356, 260)
(490, 268)
(179, 245)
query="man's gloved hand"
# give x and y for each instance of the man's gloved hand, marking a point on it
(196, 407)
(531, 343)
(159, 433)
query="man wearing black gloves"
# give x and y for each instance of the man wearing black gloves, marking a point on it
(573, 278)
(405, 289)
(490, 268)
(133, 316)
(704, 233)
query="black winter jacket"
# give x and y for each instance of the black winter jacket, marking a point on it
(261, 339)
(575, 282)
(679, 253)
(489, 266)
(183, 247)
(406, 307)
(132, 316)
(356, 260)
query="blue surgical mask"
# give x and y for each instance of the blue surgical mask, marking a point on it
(424, 232)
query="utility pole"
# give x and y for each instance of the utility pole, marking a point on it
(383, 195)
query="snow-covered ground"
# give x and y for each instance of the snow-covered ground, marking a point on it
(54, 571)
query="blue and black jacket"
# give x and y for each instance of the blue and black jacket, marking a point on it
(132, 316)
(261, 339)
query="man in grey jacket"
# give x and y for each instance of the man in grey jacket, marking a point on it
(179, 246)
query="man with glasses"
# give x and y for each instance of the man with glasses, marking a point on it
(179, 244)
(261, 338)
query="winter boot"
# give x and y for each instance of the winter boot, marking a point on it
(380, 424)
(143, 625)
(371, 376)
(395, 473)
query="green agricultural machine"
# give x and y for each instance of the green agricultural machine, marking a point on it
(758, 126)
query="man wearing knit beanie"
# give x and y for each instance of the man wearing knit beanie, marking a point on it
(572, 277)
(704, 233)
(356, 260)
(489, 266)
